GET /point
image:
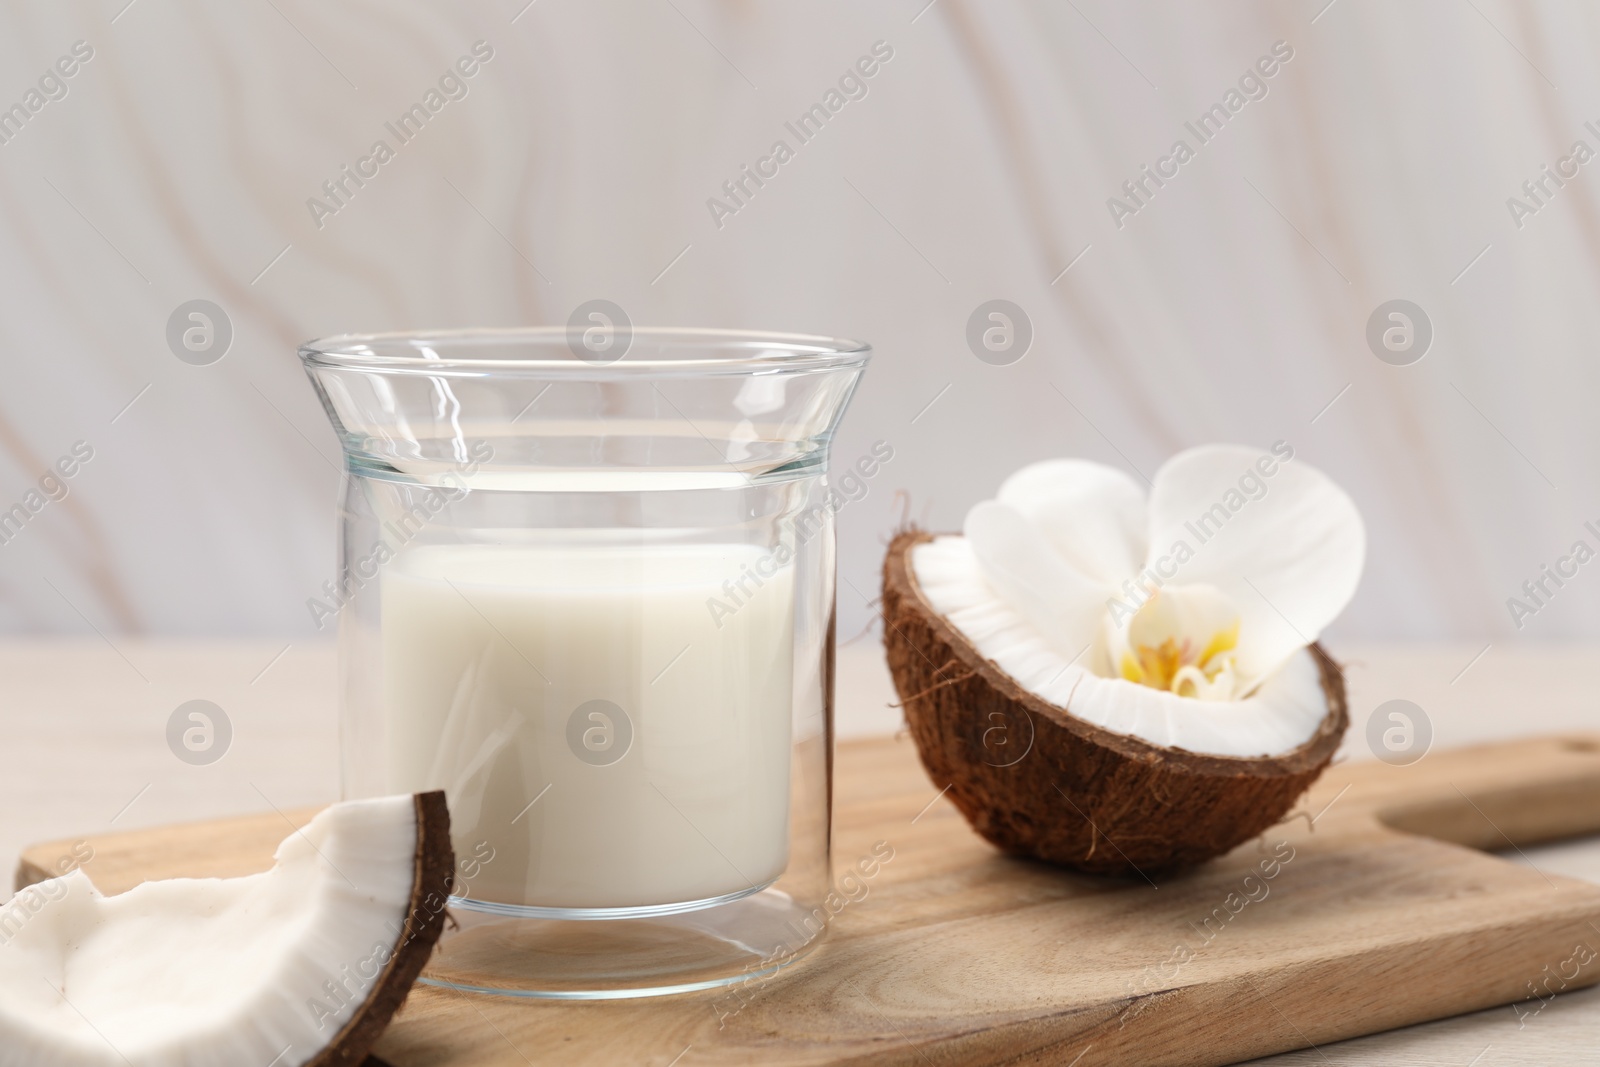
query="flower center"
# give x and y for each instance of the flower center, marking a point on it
(1182, 640)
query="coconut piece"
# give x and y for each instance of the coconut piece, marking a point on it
(1037, 780)
(304, 964)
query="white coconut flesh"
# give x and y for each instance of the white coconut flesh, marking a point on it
(1280, 716)
(264, 969)
(1150, 616)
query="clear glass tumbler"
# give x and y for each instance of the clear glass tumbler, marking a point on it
(586, 587)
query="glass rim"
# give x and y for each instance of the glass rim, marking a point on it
(707, 352)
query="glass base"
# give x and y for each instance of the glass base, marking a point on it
(566, 954)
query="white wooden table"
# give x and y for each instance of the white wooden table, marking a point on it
(85, 736)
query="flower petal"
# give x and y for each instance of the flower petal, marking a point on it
(1276, 536)
(1093, 515)
(1023, 568)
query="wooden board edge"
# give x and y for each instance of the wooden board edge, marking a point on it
(36, 860)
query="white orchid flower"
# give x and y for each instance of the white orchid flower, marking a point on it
(1181, 618)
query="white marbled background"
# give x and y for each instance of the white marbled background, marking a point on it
(1232, 306)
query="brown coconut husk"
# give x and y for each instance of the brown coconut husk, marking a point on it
(1079, 796)
(434, 872)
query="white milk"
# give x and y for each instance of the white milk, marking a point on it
(489, 651)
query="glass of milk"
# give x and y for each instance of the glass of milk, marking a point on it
(585, 586)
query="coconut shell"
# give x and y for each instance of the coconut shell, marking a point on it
(433, 874)
(1037, 781)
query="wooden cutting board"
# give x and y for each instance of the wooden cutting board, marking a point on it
(1370, 909)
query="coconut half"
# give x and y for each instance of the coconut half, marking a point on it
(1036, 779)
(304, 964)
